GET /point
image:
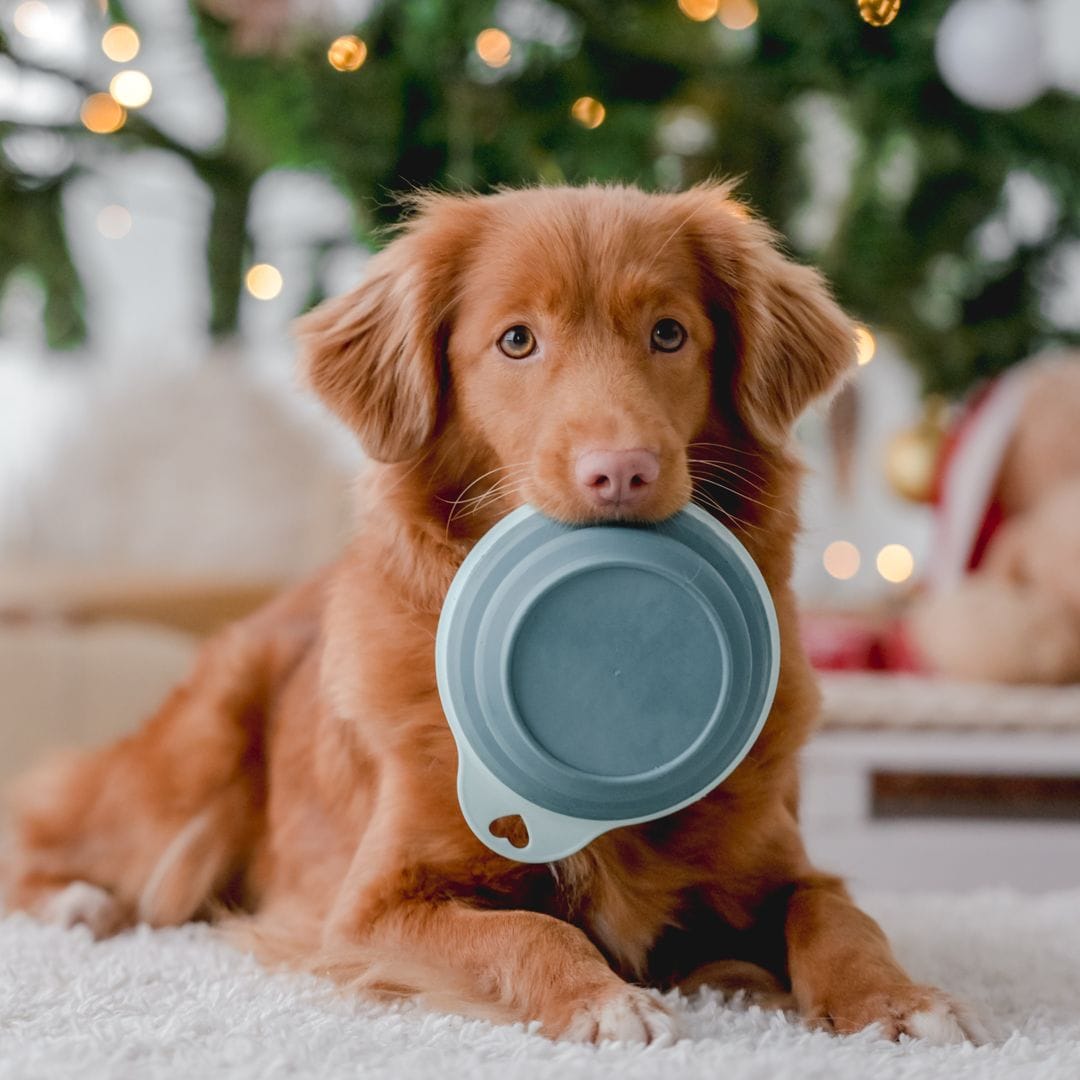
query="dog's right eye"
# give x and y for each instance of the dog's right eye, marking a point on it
(517, 343)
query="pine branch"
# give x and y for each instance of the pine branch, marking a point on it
(137, 128)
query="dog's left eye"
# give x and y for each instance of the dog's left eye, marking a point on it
(668, 335)
(517, 343)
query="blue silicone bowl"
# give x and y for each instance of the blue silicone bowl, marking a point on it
(601, 675)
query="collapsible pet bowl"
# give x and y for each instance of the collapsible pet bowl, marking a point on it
(602, 675)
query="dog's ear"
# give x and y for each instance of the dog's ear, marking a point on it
(376, 356)
(782, 341)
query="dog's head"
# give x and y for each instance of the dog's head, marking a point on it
(568, 346)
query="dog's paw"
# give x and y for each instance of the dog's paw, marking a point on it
(630, 1015)
(81, 903)
(920, 1012)
(945, 1021)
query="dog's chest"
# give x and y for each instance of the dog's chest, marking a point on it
(623, 895)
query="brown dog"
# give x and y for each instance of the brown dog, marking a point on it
(600, 353)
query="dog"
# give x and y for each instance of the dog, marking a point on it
(603, 354)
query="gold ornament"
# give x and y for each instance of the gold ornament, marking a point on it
(879, 12)
(911, 458)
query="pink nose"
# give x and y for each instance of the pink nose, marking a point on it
(619, 477)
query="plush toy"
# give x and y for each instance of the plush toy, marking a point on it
(1002, 599)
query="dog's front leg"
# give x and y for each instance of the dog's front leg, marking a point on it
(505, 966)
(844, 975)
(399, 924)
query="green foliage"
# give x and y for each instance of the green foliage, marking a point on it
(32, 240)
(423, 110)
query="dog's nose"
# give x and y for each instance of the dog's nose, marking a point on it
(620, 477)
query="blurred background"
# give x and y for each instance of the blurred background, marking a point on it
(178, 180)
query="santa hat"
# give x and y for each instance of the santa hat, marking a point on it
(967, 509)
(967, 514)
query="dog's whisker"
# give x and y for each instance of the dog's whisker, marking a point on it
(497, 490)
(716, 504)
(505, 487)
(728, 448)
(731, 467)
(773, 507)
(745, 477)
(707, 503)
(508, 469)
(732, 489)
(493, 497)
(483, 476)
(730, 464)
(742, 496)
(479, 498)
(720, 485)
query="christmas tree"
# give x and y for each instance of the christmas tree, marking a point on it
(845, 135)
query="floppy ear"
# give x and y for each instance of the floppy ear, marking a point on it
(376, 356)
(782, 341)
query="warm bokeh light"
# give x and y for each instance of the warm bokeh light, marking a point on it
(346, 53)
(493, 46)
(114, 222)
(120, 43)
(737, 14)
(588, 112)
(865, 346)
(130, 88)
(699, 10)
(264, 281)
(879, 12)
(842, 560)
(33, 19)
(101, 114)
(895, 563)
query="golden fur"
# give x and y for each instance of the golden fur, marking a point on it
(305, 774)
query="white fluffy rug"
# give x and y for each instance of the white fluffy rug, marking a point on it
(178, 1003)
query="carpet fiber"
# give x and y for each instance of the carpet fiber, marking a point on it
(178, 1003)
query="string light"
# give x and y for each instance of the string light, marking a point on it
(130, 88)
(865, 346)
(120, 43)
(699, 10)
(114, 222)
(346, 53)
(842, 560)
(879, 12)
(895, 563)
(264, 281)
(737, 14)
(494, 46)
(588, 112)
(33, 19)
(102, 115)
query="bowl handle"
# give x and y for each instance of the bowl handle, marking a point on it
(484, 798)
